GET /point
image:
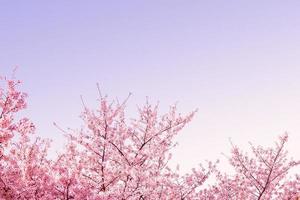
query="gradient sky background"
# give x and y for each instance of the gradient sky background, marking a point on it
(238, 62)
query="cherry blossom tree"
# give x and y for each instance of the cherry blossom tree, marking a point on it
(120, 159)
(114, 157)
(24, 168)
(264, 175)
(11, 102)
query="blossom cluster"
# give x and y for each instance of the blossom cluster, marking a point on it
(112, 157)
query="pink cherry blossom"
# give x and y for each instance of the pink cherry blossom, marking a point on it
(116, 157)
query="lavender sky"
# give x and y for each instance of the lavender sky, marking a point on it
(238, 62)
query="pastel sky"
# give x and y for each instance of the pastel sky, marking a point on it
(238, 62)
